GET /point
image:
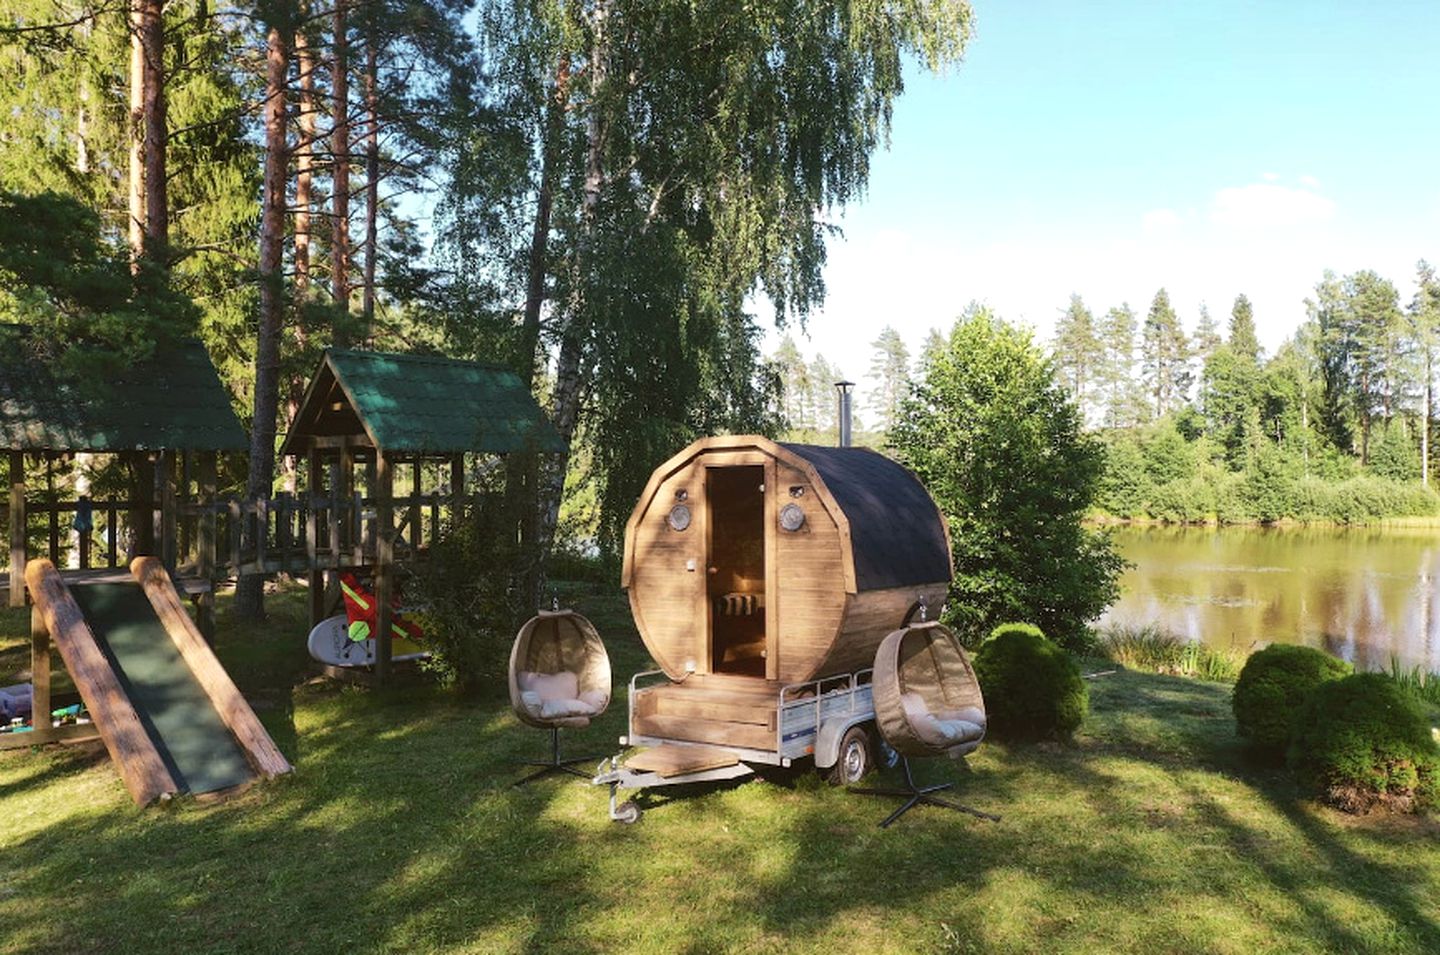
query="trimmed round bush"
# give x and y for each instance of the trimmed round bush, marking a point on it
(1272, 686)
(1363, 743)
(1032, 688)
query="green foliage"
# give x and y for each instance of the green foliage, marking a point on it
(1363, 743)
(1272, 686)
(1150, 648)
(1417, 681)
(1243, 340)
(1394, 454)
(1032, 688)
(1125, 486)
(1005, 628)
(999, 444)
(58, 274)
(469, 591)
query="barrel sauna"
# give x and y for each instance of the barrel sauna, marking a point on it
(779, 563)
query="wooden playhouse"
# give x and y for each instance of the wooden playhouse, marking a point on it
(761, 575)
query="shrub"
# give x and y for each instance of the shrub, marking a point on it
(1272, 686)
(1363, 743)
(1032, 688)
(470, 589)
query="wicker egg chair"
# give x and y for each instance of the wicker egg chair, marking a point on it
(559, 677)
(927, 703)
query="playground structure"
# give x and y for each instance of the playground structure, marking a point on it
(168, 713)
(158, 434)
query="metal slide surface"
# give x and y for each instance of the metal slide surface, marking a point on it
(178, 715)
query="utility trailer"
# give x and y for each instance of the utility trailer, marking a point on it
(831, 721)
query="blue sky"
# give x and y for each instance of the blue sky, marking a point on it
(1113, 148)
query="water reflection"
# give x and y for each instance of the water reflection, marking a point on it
(1365, 594)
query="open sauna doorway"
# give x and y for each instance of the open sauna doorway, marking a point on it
(736, 569)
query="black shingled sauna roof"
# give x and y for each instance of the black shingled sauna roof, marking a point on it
(896, 532)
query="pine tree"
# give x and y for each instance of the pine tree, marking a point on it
(890, 370)
(1164, 356)
(1207, 334)
(1124, 405)
(1243, 340)
(1077, 352)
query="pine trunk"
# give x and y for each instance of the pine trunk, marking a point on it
(340, 150)
(135, 231)
(249, 594)
(372, 184)
(157, 212)
(304, 200)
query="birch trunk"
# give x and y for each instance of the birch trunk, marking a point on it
(568, 370)
(249, 594)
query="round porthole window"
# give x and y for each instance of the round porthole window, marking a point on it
(679, 517)
(792, 517)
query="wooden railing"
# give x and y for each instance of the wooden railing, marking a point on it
(288, 533)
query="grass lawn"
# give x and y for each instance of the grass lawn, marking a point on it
(399, 832)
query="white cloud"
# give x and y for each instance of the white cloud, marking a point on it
(1263, 205)
(1270, 176)
(1159, 221)
(1310, 182)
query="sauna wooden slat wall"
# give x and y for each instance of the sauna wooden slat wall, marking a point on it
(810, 579)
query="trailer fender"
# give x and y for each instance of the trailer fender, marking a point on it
(827, 743)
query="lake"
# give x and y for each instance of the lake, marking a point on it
(1364, 594)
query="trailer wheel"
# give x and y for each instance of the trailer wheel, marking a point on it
(627, 813)
(856, 759)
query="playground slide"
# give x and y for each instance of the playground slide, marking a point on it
(168, 713)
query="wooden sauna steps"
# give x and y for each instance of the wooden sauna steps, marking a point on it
(720, 709)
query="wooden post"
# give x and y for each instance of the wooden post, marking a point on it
(384, 560)
(205, 542)
(336, 478)
(52, 502)
(165, 477)
(315, 577)
(142, 522)
(112, 534)
(371, 468)
(457, 487)
(186, 525)
(17, 529)
(415, 517)
(39, 675)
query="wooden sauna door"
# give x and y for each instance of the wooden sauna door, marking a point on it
(736, 571)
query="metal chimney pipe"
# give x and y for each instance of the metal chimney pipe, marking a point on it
(843, 415)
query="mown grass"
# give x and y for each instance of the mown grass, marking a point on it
(399, 832)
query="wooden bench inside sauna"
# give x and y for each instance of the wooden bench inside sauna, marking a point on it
(763, 574)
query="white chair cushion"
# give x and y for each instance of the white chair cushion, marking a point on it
(559, 709)
(549, 686)
(595, 698)
(944, 729)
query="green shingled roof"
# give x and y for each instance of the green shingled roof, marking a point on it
(173, 402)
(422, 404)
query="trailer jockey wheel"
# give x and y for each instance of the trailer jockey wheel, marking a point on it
(857, 757)
(627, 813)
